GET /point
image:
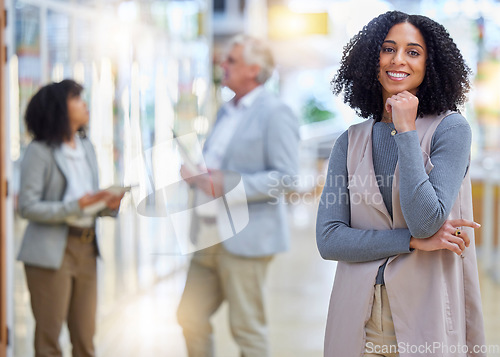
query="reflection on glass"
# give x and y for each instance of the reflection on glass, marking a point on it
(58, 42)
(136, 68)
(200, 89)
(173, 79)
(127, 136)
(101, 120)
(183, 19)
(15, 140)
(79, 72)
(27, 35)
(136, 171)
(128, 11)
(164, 169)
(57, 72)
(164, 113)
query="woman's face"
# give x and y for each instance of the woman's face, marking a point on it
(77, 112)
(402, 60)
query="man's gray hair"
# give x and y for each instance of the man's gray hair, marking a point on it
(255, 51)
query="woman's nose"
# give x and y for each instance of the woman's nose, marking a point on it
(398, 57)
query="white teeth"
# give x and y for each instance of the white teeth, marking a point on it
(397, 75)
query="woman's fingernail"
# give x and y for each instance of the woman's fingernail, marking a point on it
(477, 224)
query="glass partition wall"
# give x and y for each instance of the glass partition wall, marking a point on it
(146, 69)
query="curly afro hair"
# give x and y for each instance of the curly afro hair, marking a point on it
(445, 83)
(46, 116)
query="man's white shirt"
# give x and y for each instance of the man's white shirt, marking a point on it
(220, 138)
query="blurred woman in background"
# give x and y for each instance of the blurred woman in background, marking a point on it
(60, 197)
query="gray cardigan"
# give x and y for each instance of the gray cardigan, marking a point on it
(427, 200)
(43, 184)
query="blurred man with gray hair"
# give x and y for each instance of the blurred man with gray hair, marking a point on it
(256, 136)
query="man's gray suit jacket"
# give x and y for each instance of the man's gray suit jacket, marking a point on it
(264, 151)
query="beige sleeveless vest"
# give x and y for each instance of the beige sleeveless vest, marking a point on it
(434, 296)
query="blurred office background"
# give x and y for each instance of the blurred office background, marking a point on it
(150, 66)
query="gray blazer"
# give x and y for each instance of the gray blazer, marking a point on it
(43, 184)
(264, 151)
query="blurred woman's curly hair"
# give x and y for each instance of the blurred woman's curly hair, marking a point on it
(46, 115)
(444, 86)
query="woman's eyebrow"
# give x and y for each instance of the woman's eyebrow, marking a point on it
(415, 44)
(409, 44)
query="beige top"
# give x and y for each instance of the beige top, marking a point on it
(434, 296)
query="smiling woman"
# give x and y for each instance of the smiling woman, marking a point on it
(404, 237)
(445, 82)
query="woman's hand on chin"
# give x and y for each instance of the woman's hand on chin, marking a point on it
(404, 107)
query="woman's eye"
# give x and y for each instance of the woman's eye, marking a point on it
(388, 49)
(414, 53)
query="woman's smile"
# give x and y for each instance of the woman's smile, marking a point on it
(397, 76)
